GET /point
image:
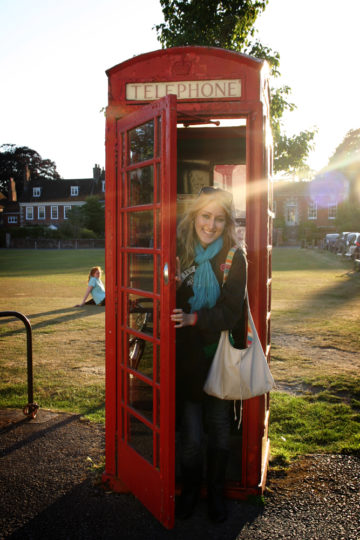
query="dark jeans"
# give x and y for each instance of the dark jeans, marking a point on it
(92, 303)
(215, 413)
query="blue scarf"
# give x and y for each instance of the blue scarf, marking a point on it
(206, 287)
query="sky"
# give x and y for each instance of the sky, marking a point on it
(54, 54)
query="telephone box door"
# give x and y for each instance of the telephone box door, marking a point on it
(145, 297)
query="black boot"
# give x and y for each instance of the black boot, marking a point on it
(191, 487)
(216, 469)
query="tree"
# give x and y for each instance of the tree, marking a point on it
(90, 215)
(347, 155)
(94, 215)
(21, 162)
(346, 160)
(348, 216)
(229, 24)
(75, 222)
(348, 151)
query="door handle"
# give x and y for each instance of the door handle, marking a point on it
(166, 273)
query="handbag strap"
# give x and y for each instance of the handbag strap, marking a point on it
(228, 262)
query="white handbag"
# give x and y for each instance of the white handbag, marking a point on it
(238, 374)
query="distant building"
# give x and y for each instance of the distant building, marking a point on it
(312, 204)
(9, 207)
(47, 202)
(299, 202)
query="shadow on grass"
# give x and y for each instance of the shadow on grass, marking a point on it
(67, 314)
(336, 294)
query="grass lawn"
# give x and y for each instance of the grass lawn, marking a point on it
(316, 294)
(315, 308)
(316, 347)
(68, 342)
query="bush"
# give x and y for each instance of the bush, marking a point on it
(87, 233)
(36, 231)
(308, 232)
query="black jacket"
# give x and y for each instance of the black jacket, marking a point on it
(229, 313)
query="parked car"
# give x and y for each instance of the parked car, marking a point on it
(341, 243)
(329, 240)
(353, 245)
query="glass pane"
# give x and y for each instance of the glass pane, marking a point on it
(141, 438)
(157, 457)
(158, 182)
(122, 190)
(158, 146)
(140, 397)
(157, 379)
(141, 186)
(121, 230)
(158, 230)
(159, 274)
(141, 229)
(141, 143)
(140, 314)
(158, 319)
(141, 355)
(141, 271)
(157, 419)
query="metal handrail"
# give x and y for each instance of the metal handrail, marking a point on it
(31, 408)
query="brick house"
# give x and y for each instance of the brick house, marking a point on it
(309, 203)
(47, 202)
(9, 207)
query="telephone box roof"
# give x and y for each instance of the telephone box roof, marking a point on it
(198, 50)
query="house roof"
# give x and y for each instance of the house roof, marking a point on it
(60, 190)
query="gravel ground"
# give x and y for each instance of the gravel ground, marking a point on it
(49, 490)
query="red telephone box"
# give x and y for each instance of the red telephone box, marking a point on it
(177, 119)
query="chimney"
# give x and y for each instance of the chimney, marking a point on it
(12, 190)
(27, 177)
(96, 172)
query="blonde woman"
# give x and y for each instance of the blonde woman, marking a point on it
(205, 307)
(95, 288)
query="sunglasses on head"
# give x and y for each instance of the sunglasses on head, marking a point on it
(208, 190)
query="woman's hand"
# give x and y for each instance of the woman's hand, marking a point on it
(182, 319)
(88, 291)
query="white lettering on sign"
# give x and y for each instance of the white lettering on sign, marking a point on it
(148, 91)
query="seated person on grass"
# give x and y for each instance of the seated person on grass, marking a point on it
(95, 287)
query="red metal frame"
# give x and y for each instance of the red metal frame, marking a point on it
(153, 483)
(174, 65)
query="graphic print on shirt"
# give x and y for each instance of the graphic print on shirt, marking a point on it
(187, 276)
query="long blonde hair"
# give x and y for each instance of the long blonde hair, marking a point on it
(186, 234)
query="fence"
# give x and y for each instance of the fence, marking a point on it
(54, 243)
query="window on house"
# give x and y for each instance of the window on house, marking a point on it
(29, 212)
(36, 192)
(66, 210)
(12, 219)
(74, 191)
(312, 210)
(54, 212)
(332, 209)
(291, 214)
(41, 212)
